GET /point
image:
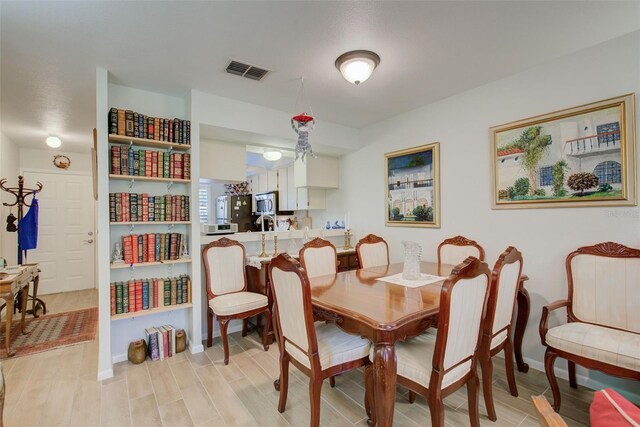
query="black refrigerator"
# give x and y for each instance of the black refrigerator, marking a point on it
(236, 210)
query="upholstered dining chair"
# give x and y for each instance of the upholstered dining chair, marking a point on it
(372, 251)
(319, 350)
(226, 278)
(496, 334)
(456, 249)
(319, 257)
(435, 366)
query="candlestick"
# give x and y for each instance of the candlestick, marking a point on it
(347, 239)
(262, 218)
(275, 246)
(263, 254)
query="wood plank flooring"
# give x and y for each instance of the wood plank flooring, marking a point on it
(59, 388)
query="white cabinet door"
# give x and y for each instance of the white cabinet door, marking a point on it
(317, 173)
(311, 198)
(292, 194)
(263, 185)
(253, 187)
(272, 180)
(283, 190)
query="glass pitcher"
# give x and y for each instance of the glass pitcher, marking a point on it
(412, 253)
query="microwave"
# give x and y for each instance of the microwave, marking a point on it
(210, 229)
(267, 203)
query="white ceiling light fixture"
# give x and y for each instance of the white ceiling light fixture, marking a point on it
(272, 155)
(358, 65)
(54, 141)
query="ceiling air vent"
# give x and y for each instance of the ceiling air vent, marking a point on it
(249, 71)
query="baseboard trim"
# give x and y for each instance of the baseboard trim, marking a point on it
(119, 358)
(106, 374)
(233, 327)
(196, 348)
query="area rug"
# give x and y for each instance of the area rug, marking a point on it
(50, 331)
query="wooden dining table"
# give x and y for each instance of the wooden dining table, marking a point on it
(384, 313)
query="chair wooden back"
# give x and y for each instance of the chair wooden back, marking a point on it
(463, 300)
(293, 312)
(319, 257)
(603, 285)
(372, 251)
(547, 416)
(505, 279)
(224, 269)
(456, 249)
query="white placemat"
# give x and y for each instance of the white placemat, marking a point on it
(425, 279)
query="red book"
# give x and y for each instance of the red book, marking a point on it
(174, 208)
(115, 159)
(134, 248)
(186, 165)
(145, 206)
(145, 248)
(152, 247)
(178, 166)
(139, 295)
(154, 163)
(172, 166)
(171, 131)
(132, 292)
(125, 207)
(147, 163)
(150, 127)
(155, 292)
(127, 249)
(113, 298)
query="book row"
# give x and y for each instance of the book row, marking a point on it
(126, 160)
(127, 207)
(147, 294)
(161, 342)
(152, 247)
(131, 123)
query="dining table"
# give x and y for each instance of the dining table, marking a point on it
(359, 303)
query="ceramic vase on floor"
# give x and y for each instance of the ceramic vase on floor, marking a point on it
(137, 352)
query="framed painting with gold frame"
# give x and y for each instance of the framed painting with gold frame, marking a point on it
(412, 180)
(581, 156)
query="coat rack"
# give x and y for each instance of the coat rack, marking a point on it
(21, 193)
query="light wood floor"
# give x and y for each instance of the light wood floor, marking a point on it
(59, 387)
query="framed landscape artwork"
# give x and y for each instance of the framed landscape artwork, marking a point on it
(412, 179)
(582, 156)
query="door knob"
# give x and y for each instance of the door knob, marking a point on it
(90, 233)
(88, 241)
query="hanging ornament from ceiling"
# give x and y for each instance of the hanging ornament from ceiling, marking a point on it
(302, 124)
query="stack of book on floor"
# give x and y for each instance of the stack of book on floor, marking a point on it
(161, 342)
(148, 294)
(127, 160)
(131, 123)
(151, 247)
(132, 207)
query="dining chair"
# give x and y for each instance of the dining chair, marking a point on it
(496, 334)
(226, 278)
(319, 350)
(319, 257)
(456, 249)
(372, 251)
(434, 366)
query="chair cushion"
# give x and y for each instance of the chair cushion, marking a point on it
(334, 347)
(612, 346)
(612, 410)
(415, 361)
(237, 302)
(498, 339)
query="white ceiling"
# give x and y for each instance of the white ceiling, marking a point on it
(429, 50)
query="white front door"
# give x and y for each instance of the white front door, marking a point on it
(66, 234)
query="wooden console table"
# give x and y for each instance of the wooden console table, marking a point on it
(12, 282)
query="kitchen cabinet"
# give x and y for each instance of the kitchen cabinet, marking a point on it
(272, 180)
(322, 172)
(262, 184)
(292, 196)
(311, 198)
(283, 190)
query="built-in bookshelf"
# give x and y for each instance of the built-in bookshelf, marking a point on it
(148, 178)
(151, 143)
(149, 264)
(152, 311)
(150, 222)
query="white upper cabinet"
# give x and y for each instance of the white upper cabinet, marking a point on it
(283, 190)
(311, 199)
(262, 184)
(322, 172)
(292, 197)
(272, 180)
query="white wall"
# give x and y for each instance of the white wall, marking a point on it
(461, 124)
(9, 162)
(42, 160)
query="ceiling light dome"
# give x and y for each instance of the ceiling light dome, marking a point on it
(272, 155)
(358, 65)
(54, 142)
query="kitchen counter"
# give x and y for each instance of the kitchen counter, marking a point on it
(282, 236)
(257, 261)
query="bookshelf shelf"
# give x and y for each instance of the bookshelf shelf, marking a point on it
(150, 223)
(148, 264)
(149, 178)
(152, 311)
(152, 143)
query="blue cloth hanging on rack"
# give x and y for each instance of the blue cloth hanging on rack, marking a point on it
(28, 228)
